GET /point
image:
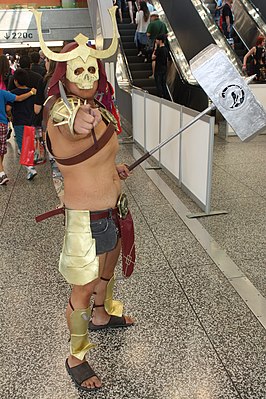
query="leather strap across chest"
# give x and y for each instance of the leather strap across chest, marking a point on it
(89, 152)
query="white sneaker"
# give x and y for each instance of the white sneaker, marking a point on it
(3, 179)
(31, 174)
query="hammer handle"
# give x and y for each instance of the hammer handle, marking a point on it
(138, 161)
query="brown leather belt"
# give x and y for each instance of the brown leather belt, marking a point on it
(95, 215)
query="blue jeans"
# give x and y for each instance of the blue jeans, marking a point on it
(19, 130)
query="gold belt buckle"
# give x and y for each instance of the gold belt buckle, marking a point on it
(122, 206)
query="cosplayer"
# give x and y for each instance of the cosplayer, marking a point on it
(81, 135)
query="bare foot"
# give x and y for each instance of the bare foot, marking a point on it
(90, 383)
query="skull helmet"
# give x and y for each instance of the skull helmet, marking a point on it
(79, 61)
(83, 74)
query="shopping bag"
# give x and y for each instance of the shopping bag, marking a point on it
(33, 148)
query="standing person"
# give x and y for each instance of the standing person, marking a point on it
(142, 21)
(156, 27)
(121, 7)
(150, 6)
(217, 12)
(258, 55)
(35, 63)
(40, 98)
(160, 56)
(42, 58)
(5, 72)
(83, 140)
(130, 10)
(22, 113)
(7, 97)
(227, 21)
(43, 87)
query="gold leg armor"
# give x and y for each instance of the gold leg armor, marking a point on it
(79, 341)
(112, 307)
(78, 261)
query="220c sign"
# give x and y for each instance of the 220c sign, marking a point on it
(18, 35)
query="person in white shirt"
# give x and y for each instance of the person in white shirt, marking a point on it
(142, 21)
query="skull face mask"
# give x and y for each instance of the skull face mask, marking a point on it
(83, 74)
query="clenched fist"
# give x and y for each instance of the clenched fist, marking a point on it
(87, 118)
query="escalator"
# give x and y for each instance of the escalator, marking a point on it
(139, 71)
(183, 87)
(239, 47)
(191, 29)
(260, 6)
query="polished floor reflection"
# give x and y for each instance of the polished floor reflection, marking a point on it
(195, 337)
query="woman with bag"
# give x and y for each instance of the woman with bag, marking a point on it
(142, 21)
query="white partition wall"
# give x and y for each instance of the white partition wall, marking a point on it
(188, 157)
(138, 112)
(152, 124)
(197, 144)
(170, 123)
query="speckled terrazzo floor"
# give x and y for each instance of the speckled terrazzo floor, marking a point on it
(194, 339)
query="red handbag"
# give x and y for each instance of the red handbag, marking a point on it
(33, 150)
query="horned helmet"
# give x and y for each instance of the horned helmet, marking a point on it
(81, 62)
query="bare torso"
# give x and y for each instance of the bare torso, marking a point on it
(93, 184)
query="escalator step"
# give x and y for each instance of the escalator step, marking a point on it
(144, 82)
(131, 52)
(140, 74)
(127, 39)
(134, 59)
(141, 66)
(130, 45)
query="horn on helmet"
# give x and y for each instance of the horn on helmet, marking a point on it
(82, 50)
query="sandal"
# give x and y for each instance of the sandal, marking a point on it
(81, 373)
(114, 322)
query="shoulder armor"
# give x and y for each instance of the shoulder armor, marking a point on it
(108, 117)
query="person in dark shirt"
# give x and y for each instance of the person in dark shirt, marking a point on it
(33, 81)
(35, 63)
(22, 113)
(160, 56)
(228, 20)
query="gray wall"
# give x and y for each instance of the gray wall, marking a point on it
(57, 24)
(188, 26)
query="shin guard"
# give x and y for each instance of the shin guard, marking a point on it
(79, 341)
(112, 307)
